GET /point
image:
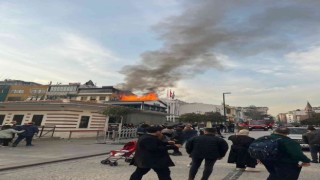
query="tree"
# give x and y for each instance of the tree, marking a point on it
(118, 112)
(191, 118)
(210, 116)
(253, 113)
(214, 117)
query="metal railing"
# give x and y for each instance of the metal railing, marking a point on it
(46, 130)
(84, 131)
(124, 133)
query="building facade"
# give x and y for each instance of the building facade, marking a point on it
(4, 90)
(282, 117)
(67, 91)
(27, 92)
(82, 119)
(95, 94)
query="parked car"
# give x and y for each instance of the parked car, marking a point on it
(296, 134)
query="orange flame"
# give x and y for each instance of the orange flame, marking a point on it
(151, 96)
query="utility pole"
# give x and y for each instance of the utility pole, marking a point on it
(224, 104)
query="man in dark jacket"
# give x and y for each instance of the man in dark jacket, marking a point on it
(152, 153)
(178, 138)
(29, 131)
(290, 154)
(312, 137)
(207, 147)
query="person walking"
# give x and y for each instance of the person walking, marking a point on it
(207, 147)
(312, 137)
(239, 151)
(189, 132)
(286, 165)
(29, 131)
(152, 153)
(6, 134)
(178, 138)
(168, 131)
(141, 130)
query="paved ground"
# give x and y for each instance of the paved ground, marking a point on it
(91, 169)
(50, 150)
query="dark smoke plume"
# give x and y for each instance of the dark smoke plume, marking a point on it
(206, 27)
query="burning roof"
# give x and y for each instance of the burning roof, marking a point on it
(151, 96)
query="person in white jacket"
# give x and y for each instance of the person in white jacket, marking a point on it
(6, 134)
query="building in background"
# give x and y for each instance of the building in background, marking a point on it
(290, 116)
(282, 117)
(173, 109)
(66, 91)
(200, 108)
(4, 90)
(27, 92)
(97, 94)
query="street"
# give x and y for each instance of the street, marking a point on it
(91, 169)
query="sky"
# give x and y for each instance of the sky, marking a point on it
(266, 53)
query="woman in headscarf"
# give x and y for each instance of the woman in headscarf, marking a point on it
(239, 151)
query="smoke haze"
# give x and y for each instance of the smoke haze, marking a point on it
(205, 28)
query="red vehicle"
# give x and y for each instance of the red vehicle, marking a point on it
(260, 124)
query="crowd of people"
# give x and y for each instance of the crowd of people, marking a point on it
(281, 155)
(8, 133)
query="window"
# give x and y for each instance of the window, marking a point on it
(37, 119)
(17, 91)
(102, 98)
(2, 118)
(92, 98)
(84, 122)
(18, 118)
(38, 91)
(84, 98)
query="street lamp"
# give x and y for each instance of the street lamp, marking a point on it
(224, 104)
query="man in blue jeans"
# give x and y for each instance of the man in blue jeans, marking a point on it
(30, 131)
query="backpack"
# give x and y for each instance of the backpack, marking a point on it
(265, 148)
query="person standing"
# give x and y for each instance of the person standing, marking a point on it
(312, 137)
(207, 147)
(286, 166)
(6, 134)
(239, 151)
(30, 131)
(152, 153)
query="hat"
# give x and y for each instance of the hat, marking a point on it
(243, 132)
(153, 129)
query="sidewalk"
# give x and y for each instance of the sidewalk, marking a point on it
(51, 150)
